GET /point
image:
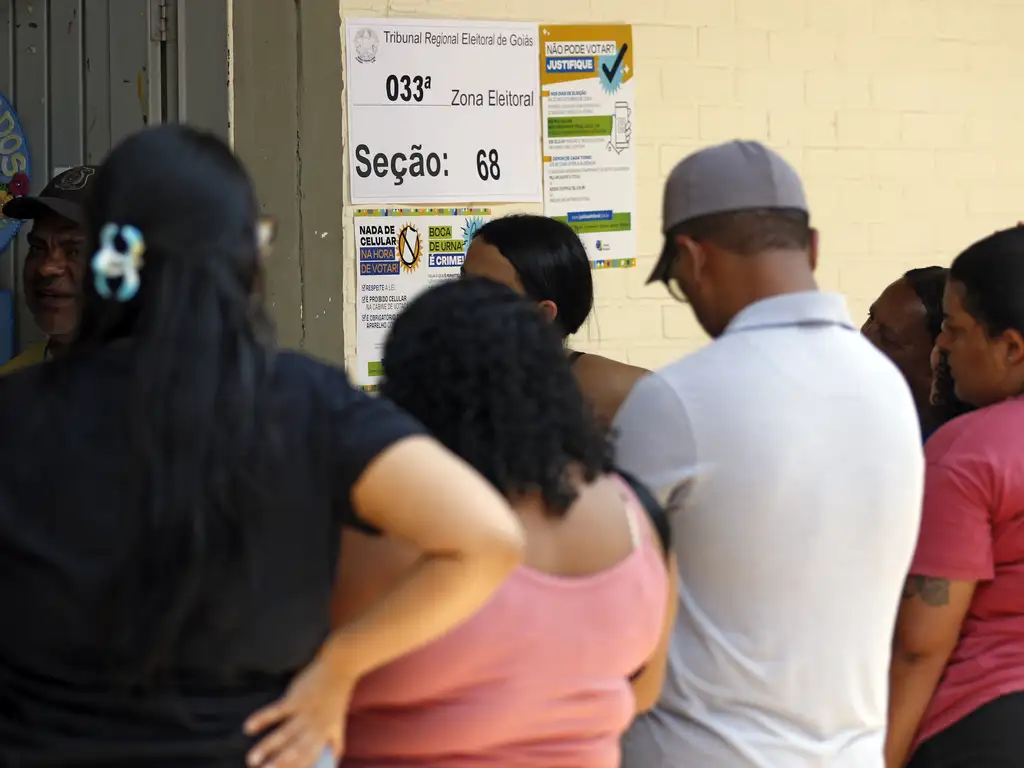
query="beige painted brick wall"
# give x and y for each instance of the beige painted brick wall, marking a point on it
(904, 117)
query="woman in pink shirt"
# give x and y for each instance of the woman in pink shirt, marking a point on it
(957, 682)
(541, 676)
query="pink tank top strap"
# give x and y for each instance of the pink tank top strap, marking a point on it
(635, 514)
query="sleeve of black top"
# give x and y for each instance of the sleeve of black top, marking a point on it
(361, 427)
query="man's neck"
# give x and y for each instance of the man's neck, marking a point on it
(769, 290)
(774, 274)
(777, 273)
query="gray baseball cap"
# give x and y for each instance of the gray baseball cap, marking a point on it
(735, 176)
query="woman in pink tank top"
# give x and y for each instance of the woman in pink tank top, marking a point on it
(552, 670)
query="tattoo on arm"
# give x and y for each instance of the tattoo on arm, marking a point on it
(932, 591)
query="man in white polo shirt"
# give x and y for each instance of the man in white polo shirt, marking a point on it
(789, 454)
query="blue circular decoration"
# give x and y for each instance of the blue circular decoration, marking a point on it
(470, 228)
(15, 167)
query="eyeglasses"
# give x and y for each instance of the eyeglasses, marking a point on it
(675, 291)
(670, 282)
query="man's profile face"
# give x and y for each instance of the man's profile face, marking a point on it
(897, 326)
(53, 274)
(694, 275)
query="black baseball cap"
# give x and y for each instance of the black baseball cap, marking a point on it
(66, 195)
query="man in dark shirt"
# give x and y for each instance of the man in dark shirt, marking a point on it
(55, 263)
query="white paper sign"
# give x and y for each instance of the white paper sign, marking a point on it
(401, 252)
(443, 111)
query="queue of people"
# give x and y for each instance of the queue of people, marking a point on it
(798, 546)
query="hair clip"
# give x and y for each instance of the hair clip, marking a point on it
(110, 262)
(266, 233)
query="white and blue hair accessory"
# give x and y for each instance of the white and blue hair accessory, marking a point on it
(112, 263)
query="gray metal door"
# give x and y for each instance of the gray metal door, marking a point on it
(83, 74)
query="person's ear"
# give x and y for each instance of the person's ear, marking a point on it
(548, 309)
(1014, 343)
(812, 248)
(691, 260)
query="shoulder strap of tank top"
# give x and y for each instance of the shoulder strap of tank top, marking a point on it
(632, 513)
(650, 505)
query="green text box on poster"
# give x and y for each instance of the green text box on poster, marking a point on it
(578, 127)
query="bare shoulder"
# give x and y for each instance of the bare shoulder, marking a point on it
(593, 535)
(606, 383)
(615, 501)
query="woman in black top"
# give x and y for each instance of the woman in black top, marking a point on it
(543, 259)
(172, 495)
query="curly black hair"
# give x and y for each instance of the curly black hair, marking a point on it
(481, 368)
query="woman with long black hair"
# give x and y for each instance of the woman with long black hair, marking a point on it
(175, 578)
(544, 260)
